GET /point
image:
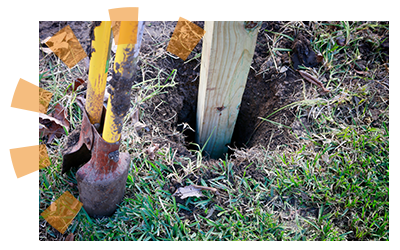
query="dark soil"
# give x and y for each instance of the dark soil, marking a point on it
(302, 53)
(120, 91)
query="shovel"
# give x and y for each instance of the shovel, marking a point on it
(80, 142)
(102, 179)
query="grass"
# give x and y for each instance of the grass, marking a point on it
(330, 184)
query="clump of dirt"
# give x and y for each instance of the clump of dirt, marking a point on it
(302, 53)
(90, 49)
(120, 93)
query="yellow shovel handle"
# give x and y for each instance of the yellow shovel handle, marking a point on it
(98, 71)
(125, 62)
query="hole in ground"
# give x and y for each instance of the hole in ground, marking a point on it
(262, 96)
(264, 93)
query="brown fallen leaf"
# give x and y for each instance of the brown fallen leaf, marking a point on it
(193, 190)
(46, 50)
(55, 125)
(61, 113)
(320, 58)
(135, 120)
(50, 126)
(77, 83)
(313, 80)
(151, 151)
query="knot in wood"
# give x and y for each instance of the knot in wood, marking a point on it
(251, 25)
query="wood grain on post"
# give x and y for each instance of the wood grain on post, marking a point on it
(228, 49)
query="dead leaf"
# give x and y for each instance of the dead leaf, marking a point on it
(210, 212)
(151, 151)
(50, 126)
(41, 126)
(192, 191)
(61, 113)
(44, 41)
(188, 191)
(77, 83)
(313, 80)
(44, 47)
(320, 58)
(55, 125)
(302, 53)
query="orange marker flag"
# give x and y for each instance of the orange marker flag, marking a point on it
(185, 37)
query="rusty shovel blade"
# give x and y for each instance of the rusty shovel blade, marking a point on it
(102, 178)
(102, 181)
(77, 153)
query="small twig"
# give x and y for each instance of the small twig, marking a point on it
(206, 188)
(313, 80)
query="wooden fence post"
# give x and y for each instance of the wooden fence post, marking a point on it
(228, 49)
